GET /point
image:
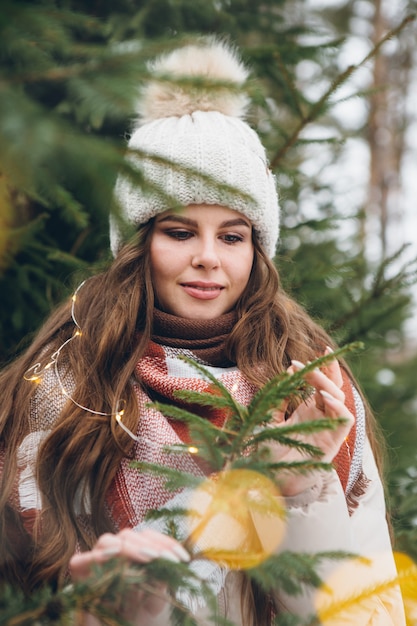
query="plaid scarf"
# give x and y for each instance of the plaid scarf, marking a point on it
(159, 374)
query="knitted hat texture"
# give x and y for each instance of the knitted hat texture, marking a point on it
(193, 145)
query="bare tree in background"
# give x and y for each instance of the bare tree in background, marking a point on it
(387, 125)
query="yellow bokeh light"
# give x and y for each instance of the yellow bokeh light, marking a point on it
(358, 588)
(407, 573)
(236, 518)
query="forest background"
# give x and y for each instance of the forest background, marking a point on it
(327, 83)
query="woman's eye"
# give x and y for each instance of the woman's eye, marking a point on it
(232, 238)
(179, 234)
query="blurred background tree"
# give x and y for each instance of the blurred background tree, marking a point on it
(69, 76)
(371, 185)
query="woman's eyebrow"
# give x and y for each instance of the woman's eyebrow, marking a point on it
(238, 221)
(178, 218)
(235, 222)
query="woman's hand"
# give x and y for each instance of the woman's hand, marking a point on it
(328, 400)
(134, 547)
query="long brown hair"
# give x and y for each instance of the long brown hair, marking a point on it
(80, 457)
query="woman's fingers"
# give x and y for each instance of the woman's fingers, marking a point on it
(333, 407)
(149, 544)
(328, 397)
(323, 381)
(332, 369)
(81, 564)
(138, 547)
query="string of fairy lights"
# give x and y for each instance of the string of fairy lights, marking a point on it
(34, 374)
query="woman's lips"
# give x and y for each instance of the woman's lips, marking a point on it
(202, 291)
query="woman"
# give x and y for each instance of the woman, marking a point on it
(196, 281)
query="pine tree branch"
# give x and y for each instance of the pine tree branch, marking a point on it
(322, 103)
(175, 478)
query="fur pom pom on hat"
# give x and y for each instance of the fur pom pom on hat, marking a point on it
(213, 62)
(194, 146)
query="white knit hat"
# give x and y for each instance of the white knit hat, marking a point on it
(194, 146)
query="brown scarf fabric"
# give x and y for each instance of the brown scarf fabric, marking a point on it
(206, 339)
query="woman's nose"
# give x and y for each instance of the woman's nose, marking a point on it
(206, 254)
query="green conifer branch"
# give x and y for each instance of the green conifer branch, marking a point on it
(175, 479)
(238, 409)
(291, 570)
(178, 413)
(284, 435)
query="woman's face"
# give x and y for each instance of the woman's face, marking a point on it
(201, 260)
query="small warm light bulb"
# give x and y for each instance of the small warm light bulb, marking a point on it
(34, 379)
(192, 449)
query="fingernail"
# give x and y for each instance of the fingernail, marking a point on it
(326, 395)
(149, 552)
(111, 552)
(169, 556)
(298, 364)
(329, 349)
(181, 553)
